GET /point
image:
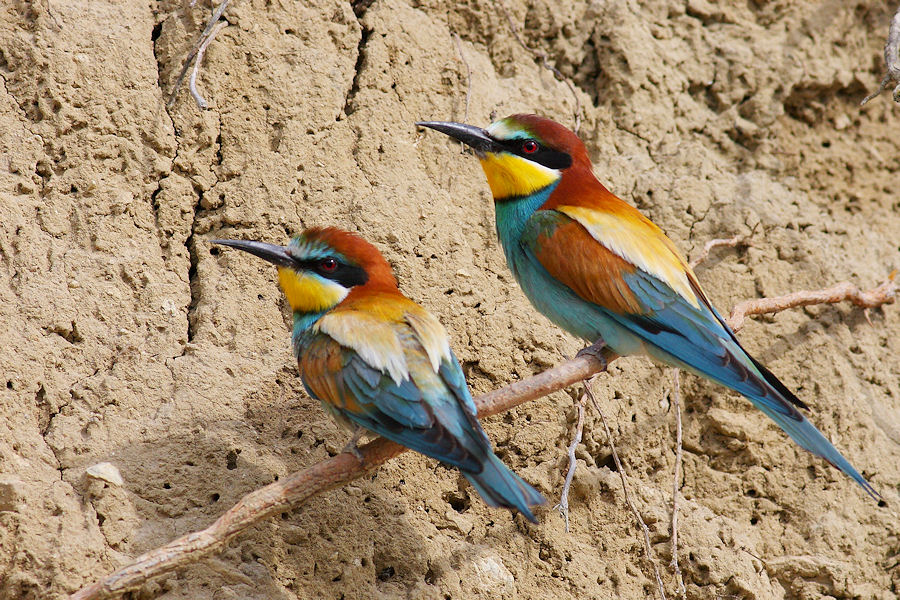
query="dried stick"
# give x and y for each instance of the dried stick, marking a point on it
(578, 432)
(891, 60)
(542, 56)
(297, 488)
(738, 240)
(886, 293)
(462, 57)
(676, 404)
(192, 82)
(202, 42)
(637, 515)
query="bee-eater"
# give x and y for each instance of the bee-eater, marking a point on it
(380, 362)
(601, 270)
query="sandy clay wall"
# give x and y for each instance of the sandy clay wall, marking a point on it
(125, 340)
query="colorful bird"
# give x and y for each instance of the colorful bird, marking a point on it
(380, 362)
(601, 270)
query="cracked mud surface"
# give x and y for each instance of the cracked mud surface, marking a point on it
(127, 340)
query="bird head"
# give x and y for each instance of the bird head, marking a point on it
(321, 266)
(520, 154)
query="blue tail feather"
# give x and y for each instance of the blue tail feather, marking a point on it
(776, 405)
(501, 487)
(805, 433)
(701, 342)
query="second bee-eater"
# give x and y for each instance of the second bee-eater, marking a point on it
(377, 360)
(601, 270)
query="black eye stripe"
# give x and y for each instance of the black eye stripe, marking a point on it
(514, 145)
(552, 159)
(344, 274)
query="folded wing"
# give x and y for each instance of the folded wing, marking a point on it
(426, 409)
(630, 271)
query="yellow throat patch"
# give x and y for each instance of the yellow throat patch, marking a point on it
(511, 176)
(309, 293)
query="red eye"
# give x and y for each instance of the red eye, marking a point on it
(328, 265)
(529, 147)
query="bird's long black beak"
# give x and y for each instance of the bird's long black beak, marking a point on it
(278, 255)
(476, 137)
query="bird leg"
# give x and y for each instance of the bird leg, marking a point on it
(595, 350)
(351, 447)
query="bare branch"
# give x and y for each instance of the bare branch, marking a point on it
(538, 386)
(201, 42)
(637, 515)
(192, 83)
(886, 293)
(738, 240)
(297, 488)
(891, 60)
(542, 56)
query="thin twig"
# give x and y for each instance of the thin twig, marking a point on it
(577, 434)
(886, 293)
(676, 405)
(891, 61)
(462, 57)
(542, 56)
(637, 515)
(881, 87)
(738, 240)
(192, 82)
(207, 31)
(297, 488)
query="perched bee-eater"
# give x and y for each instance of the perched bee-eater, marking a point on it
(601, 270)
(380, 362)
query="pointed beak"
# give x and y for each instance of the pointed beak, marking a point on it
(476, 137)
(277, 255)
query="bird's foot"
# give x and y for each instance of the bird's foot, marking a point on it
(596, 351)
(352, 447)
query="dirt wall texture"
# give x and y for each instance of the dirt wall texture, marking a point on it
(126, 340)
